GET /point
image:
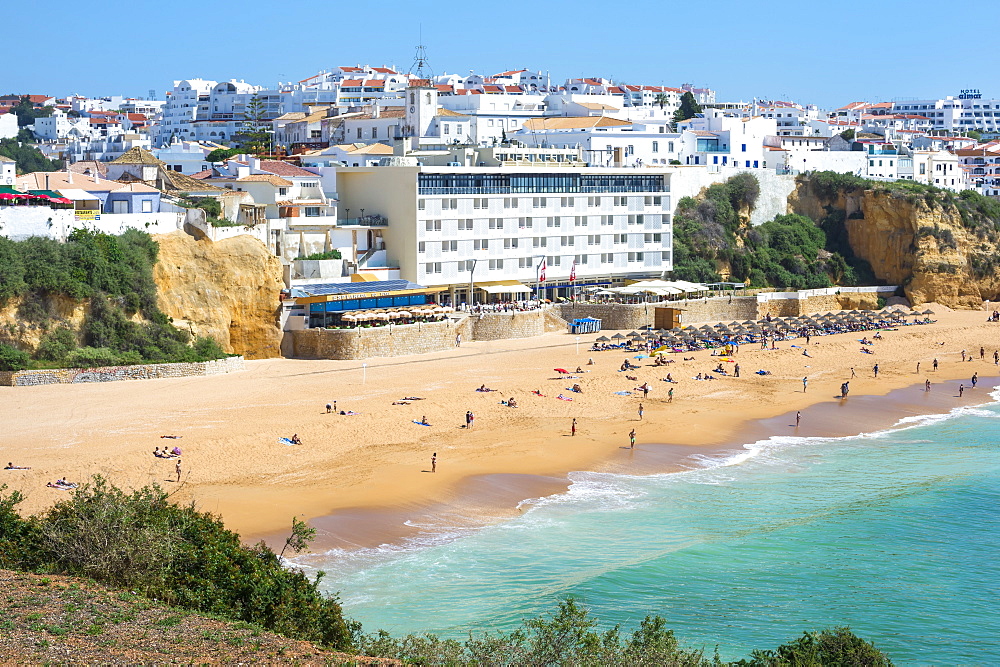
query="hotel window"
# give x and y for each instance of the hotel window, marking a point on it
(579, 221)
(635, 257)
(593, 201)
(540, 242)
(421, 204)
(480, 203)
(538, 202)
(447, 204)
(566, 201)
(449, 246)
(312, 211)
(621, 201)
(433, 225)
(481, 244)
(509, 202)
(594, 239)
(620, 238)
(465, 224)
(359, 133)
(653, 238)
(496, 223)
(552, 222)
(421, 247)
(554, 260)
(580, 259)
(607, 258)
(374, 133)
(509, 244)
(432, 267)
(670, 147)
(496, 264)
(282, 192)
(656, 146)
(607, 220)
(524, 263)
(524, 223)
(566, 240)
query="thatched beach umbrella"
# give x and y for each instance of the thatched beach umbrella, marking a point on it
(927, 312)
(603, 339)
(618, 336)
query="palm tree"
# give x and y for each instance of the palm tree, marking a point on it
(661, 99)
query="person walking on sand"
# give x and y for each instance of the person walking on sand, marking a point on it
(961, 390)
(631, 439)
(640, 412)
(458, 340)
(572, 427)
(982, 353)
(918, 368)
(963, 355)
(853, 374)
(468, 419)
(927, 384)
(805, 384)
(875, 370)
(996, 357)
(670, 395)
(434, 462)
(975, 380)
(798, 418)
(935, 363)
(736, 370)
(177, 469)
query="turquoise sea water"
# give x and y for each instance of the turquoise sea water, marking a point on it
(896, 534)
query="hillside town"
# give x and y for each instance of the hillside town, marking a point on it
(453, 189)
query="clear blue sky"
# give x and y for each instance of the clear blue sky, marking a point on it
(825, 53)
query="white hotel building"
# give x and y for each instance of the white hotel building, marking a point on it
(494, 226)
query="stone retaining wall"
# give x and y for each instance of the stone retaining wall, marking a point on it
(117, 373)
(404, 339)
(613, 316)
(389, 341)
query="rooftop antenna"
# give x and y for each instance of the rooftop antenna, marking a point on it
(420, 60)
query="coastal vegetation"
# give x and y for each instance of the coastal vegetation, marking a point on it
(113, 277)
(713, 236)
(27, 158)
(148, 547)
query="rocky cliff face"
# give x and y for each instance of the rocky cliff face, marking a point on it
(921, 243)
(227, 289)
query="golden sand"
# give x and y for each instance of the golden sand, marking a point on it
(234, 465)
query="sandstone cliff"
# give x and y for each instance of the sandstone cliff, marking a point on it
(931, 243)
(227, 289)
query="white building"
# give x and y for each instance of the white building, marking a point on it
(8, 172)
(718, 138)
(957, 113)
(8, 125)
(449, 225)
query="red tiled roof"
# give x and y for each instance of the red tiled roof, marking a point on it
(351, 82)
(374, 83)
(284, 169)
(349, 69)
(512, 89)
(202, 174)
(384, 70)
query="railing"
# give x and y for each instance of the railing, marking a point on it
(509, 190)
(367, 221)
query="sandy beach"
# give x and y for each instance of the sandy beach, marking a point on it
(361, 477)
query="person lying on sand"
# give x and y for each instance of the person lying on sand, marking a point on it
(576, 389)
(61, 484)
(172, 437)
(484, 388)
(763, 372)
(633, 378)
(11, 466)
(401, 402)
(405, 398)
(537, 393)
(349, 413)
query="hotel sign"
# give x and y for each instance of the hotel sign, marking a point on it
(84, 214)
(970, 94)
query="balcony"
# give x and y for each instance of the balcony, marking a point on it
(367, 221)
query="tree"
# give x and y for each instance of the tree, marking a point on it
(689, 108)
(27, 158)
(847, 135)
(661, 99)
(974, 134)
(27, 112)
(255, 135)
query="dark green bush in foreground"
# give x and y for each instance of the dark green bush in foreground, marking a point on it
(142, 542)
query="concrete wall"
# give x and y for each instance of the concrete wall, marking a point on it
(774, 188)
(117, 373)
(501, 326)
(389, 341)
(21, 222)
(724, 309)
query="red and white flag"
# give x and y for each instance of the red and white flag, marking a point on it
(541, 272)
(572, 272)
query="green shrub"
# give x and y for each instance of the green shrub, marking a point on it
(92, 357)
(142, 542)
(12, 359)
(329, 254)
(56, 344)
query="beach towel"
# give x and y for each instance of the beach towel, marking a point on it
(538, 393)
(623, 393)
(286, 441)
(421, 423)
(561, 370)
(564, 398)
